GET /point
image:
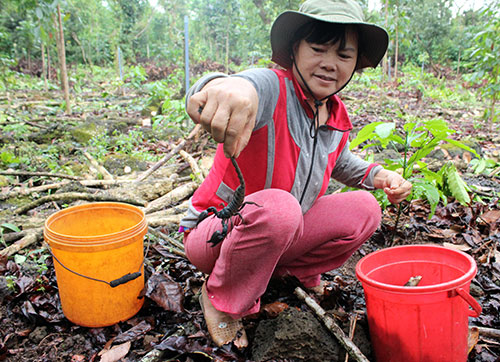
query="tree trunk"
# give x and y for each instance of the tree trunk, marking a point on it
(62, 60)
(85, 60)
(227, 49)
(44, 68)
(384, 61)
(48, 62)
(396, 50)
(492, 110)
(262, 12)
(493, 102)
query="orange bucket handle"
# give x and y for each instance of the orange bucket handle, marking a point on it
(114, 283)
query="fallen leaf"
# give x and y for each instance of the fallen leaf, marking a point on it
(197, 335)
(472, 338)
(471, 240)
(459, 247)
(443, 233)
(116, 352)
(273, 309)
(133, 333)
(24, 332)
(163, 290)
(491, 216)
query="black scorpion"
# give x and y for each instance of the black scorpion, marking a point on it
(233, 208)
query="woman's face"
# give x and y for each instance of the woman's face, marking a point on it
(325, 67)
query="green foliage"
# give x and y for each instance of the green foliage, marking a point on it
(368, 79)
(128, 142)
(163, 93)
(35, 261)
(418, 140)
(8, 159)
(220, 30)
(427, 23)
(18, 130)
(456, 186)
(10, 280)
(7, 226)
(484, 166)
(99, 146)
(136, 76)
(484, 54)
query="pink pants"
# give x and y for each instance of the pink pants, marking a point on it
(276, 239)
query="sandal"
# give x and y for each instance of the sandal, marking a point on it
(222, 328)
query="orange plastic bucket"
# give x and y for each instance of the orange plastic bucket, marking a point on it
(425, 323)
(98, 259)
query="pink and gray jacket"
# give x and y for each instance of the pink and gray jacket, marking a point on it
(279, 152)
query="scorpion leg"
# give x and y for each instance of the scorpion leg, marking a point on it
(206, 213)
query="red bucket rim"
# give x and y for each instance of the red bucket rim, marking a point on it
(467, 277)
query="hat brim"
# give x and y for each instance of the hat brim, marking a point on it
(373, 39)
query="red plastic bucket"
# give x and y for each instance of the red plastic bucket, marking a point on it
(428, 322)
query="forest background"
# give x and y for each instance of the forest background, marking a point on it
(430, 33)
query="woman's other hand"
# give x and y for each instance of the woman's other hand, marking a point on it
(394, 185)
(226, 108)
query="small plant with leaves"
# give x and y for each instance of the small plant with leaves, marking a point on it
(136, 76)
(10, 281)
(418, 140)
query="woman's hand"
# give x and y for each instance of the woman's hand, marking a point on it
(227, 108)
(394, 185)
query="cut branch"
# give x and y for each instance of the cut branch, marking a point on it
(489, 332)
(350, 347)
(54, 186)
(172, 153)
(159, 219)
(172, 197)
(74, 196)
(48, 174)
(175, 246)
(100, 169)
(31, 237)
(194, 166)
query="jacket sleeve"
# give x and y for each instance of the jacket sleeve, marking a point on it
(353, 171)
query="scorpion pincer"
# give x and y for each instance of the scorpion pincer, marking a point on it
(233, 208)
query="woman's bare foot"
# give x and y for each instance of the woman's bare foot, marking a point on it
(222, 328)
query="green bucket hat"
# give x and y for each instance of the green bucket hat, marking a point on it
(373, 39)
